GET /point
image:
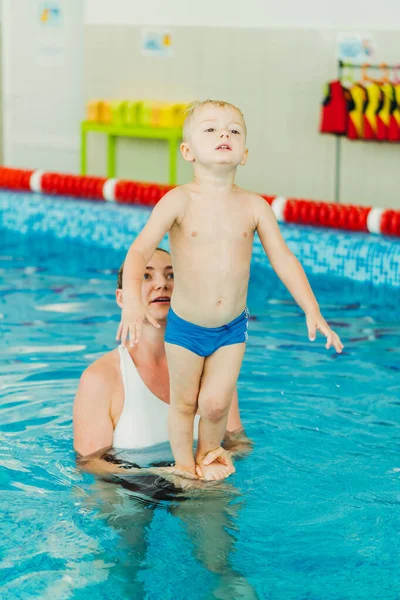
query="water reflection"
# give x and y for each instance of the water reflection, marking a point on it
(196, 532)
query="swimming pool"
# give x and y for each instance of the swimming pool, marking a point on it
(311, 514)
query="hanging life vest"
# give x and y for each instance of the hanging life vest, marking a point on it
(384, 115)
(374, 105)
(335, 109)
(394, 124)
(355, 125)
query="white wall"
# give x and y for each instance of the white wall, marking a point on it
(275, 75)
(326, 14)
(42, 85)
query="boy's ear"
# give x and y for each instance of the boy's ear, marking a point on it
(244, 159)
(186, 152)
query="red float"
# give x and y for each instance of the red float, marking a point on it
(386, 221)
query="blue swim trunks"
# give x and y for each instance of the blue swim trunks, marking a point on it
(205, 340)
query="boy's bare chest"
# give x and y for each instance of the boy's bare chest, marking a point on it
(217, 223)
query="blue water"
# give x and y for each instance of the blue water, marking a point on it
(312, 513)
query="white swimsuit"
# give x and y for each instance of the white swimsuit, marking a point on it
(144, 418)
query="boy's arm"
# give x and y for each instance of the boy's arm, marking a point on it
(165, 213)
(290, 272)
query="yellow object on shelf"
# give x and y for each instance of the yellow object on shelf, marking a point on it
(98, 111)
(168, 115)
(145, 113)
(93, 111)
(163, 115)
(137, 113)
(118, 112)
(105, 112)
(131, 113)
(179, 114)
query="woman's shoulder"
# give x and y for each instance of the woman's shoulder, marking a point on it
(103, 372)
(94, 404)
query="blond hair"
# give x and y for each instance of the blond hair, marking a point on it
(191, 109)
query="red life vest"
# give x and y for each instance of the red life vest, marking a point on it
(335, 109)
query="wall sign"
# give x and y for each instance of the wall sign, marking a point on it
(356, 47)
(157, 42)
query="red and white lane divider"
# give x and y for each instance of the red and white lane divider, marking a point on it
(287, 210)
(337, 216)
(93, 188)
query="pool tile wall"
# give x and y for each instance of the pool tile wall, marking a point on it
(356, 256)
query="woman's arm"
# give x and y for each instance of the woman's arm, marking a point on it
(234, 422)
(235, 440)
(93, 426)
(94, 429)
(103, 463)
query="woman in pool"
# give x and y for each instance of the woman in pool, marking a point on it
(122, 404)
(122, 399)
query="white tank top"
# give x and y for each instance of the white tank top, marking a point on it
(144, 418)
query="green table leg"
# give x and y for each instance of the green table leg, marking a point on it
(173, 152)
(83, 151)
(111, 146)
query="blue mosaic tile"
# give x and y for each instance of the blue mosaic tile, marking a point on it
(356, 256)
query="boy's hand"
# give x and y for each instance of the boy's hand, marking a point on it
(217, 464)
(315, 321)
(132, 323)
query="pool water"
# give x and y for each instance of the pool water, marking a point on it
(312, 513)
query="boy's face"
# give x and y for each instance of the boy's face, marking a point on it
(216, 136)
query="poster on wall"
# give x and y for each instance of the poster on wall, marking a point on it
(356, 47)
(157, 42)
(50, 41)
(50, 14)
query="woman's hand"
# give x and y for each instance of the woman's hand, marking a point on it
(215, 465)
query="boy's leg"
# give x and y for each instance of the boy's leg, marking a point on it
(220, 373)
(185, 370)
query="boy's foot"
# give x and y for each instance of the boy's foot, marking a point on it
(215, 465)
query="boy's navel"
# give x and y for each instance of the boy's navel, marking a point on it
(244, 234)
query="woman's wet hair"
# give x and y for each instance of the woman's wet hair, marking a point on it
(121, 269)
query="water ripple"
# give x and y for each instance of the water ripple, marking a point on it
(311, 513)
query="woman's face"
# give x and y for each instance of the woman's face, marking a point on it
(158, 284)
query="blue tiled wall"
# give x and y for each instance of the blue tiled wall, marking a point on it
(355, 256)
